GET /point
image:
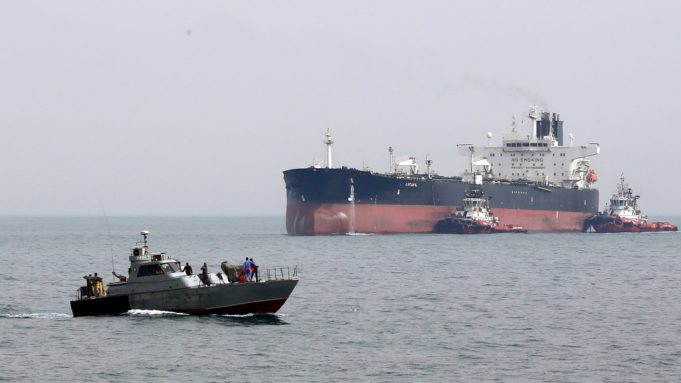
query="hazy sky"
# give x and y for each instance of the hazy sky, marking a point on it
(196, 107)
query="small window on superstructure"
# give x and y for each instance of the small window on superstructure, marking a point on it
(148, 270)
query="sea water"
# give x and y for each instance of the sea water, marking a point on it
(368, 308)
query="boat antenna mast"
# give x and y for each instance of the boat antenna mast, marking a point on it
(145, 234)
(328, 142)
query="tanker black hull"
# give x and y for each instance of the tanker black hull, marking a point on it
(335, 201)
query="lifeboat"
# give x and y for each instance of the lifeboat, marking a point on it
(591, 177)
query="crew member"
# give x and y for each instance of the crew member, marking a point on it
(88, 279)
(254, 270)
(188, 269)
(247, 269)
(204, 274)
(99, 285)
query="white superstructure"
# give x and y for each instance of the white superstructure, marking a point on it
(540, 156)
(624, 204)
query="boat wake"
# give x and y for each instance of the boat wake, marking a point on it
(36, 316)
(255, 319)
(153, 313)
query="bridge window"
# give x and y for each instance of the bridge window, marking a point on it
(148, 270)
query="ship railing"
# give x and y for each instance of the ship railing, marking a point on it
(279, 273)
(82, 293)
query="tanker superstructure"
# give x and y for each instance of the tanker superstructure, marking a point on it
(536, 181)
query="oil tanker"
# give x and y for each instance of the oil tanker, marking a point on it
(535, 180)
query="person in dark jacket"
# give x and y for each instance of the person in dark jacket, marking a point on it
(204, 274)
(254, 271)
(188, 269)
(88, 279)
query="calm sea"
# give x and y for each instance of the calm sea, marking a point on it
(368, 308)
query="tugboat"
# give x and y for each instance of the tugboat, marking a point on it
(475, 218)
(157, 282)
(624, 215)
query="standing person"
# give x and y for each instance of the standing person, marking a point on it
(88, 280)
(247, 269)
(204, 274)
(188, 269)
(98, 285)
(254, 270)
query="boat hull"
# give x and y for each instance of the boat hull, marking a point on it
(324, 219)
(236, 298)
(613, 224)
(338, 201)
(466, 226)
(110, 305)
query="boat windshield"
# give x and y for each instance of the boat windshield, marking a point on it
(172, 267)
(148, 270)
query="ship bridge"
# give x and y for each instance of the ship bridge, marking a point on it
(541, 156)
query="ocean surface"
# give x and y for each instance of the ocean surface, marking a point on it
(368, 308)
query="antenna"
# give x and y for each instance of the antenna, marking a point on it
(533, 121)
(145, 234)
(108, 231)
(489, 137)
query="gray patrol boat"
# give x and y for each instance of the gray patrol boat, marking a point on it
(157, 282)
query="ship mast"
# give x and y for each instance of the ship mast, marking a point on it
(428, 163)
(392, 160)
(328, 141)
(533, 115)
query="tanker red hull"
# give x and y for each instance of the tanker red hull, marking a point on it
(314, 219)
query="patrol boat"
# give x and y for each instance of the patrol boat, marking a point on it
(157, 282)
